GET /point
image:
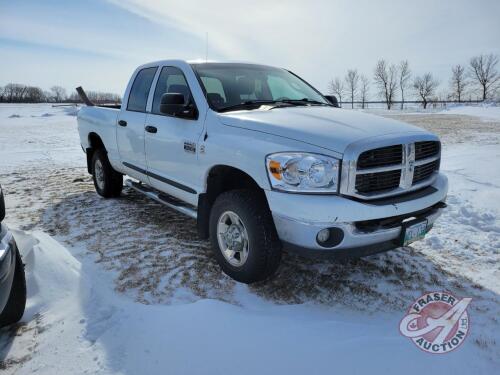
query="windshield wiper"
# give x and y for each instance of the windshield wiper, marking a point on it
(249, 104)
(254, 104)
(305, 101)
(297, 102)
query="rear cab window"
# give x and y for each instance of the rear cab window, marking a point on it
(139, 91)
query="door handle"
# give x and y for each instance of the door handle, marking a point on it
(122, 123)
(151, 129)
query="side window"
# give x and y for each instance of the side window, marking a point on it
(140, 90)
(171, 80)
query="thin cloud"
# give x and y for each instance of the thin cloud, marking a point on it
(318, 39)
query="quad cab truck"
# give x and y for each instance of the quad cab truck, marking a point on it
(265, 163)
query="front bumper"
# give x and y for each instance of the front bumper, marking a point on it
(8, 250)
(299, 218)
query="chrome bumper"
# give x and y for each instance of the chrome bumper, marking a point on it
(299, 233)
(302, 236)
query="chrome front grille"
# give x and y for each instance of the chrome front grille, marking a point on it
(390, 169)
(426, 149)
(372, 182)
(424, 171)
(380, 157)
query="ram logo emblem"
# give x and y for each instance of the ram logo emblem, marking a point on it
(190, 147)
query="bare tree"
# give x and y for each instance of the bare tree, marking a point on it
(404, 79)
(14, 92)
(496, 94)
(97, 97)
(363, 89)
(385, 78)
(337, 88)
(34, 95)
(59, 93)
(48, 95)
(103, 97)
(352, 80)
(19, 93)
(483, 70)
(458, 81)
(425, 86)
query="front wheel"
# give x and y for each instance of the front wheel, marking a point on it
(108, 182)
(243, 236)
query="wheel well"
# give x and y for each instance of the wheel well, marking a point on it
(220, 179)
(95, 143)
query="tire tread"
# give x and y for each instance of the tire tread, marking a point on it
(267, 252)
(113, 181)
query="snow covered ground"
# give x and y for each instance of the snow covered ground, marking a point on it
(486, 112)
(125, 287)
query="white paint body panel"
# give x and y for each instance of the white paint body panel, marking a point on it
(242, 139)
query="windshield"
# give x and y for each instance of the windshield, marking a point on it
(231, 86)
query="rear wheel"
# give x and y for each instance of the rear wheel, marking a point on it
(14, 309)
(108, 182)
(243, 236)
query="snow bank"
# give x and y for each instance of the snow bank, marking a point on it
(53, 274)
(485, 112)
(471, 171)
(87, 328)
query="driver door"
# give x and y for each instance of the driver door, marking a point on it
(171, 143)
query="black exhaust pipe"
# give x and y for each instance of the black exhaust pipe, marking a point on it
(84, 96)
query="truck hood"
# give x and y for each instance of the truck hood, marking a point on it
(326, 127)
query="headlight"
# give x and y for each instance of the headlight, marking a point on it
(303, 172)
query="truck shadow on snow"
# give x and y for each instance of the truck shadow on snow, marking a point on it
(158, 258)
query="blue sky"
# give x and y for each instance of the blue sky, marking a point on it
(98, 43)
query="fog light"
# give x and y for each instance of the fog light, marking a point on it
(323, 235)
(330, 237)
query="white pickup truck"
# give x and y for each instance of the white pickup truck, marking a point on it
(265, 163)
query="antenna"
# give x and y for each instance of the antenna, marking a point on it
(206, 46)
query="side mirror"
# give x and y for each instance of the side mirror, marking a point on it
(173, 104)
(333, 99)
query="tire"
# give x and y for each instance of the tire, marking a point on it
(14, 309)
(108, 182)
(263, 246)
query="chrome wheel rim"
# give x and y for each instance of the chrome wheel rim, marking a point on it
(99, 174)
(232, 236)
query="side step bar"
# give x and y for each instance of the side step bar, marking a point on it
(163, 198)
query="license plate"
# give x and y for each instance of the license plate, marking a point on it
(414, 232)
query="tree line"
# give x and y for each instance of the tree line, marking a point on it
(480, 76)
(20, 93)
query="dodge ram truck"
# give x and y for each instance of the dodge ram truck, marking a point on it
(265, 163)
